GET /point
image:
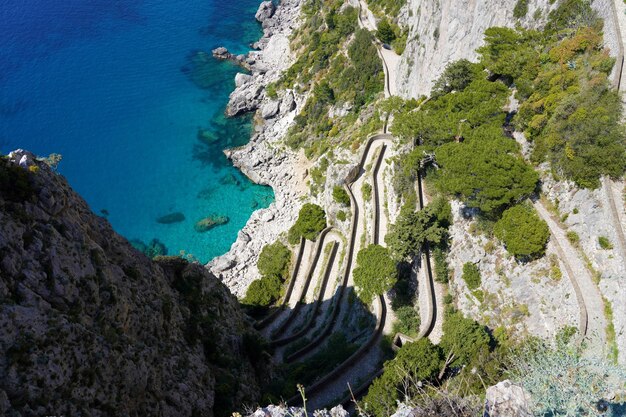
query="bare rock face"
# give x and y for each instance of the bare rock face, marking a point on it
(89, 326)
(506, 399)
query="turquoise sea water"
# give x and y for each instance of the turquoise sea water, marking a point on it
(117, 87)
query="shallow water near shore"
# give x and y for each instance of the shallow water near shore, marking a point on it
(118, 88)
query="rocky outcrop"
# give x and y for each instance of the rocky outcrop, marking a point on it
(507, 399)
(262, 160)
(265, 11)
(531, 297)
(279, 411)
(89, 326)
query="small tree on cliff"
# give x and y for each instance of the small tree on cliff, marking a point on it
(375, 272)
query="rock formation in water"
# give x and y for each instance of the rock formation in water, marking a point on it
(90, 326)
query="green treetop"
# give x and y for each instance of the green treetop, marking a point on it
(375, 272)
(522, 231)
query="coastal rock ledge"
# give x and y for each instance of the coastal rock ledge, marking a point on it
(261, 159)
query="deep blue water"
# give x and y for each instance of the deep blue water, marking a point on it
(110, 85)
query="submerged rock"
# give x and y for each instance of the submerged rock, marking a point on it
(210, 222)
(207, 136)
(152, 249)
(175, 217)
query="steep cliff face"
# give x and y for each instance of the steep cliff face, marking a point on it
(443, 31)
(89, 326)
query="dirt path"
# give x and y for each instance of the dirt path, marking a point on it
(305, 264)
(614, 194)
(592, 321)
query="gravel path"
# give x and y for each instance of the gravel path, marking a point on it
(592, 320)
(334, 392)
(614, 194)
(305, 264)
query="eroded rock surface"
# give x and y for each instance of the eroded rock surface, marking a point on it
(90, 326)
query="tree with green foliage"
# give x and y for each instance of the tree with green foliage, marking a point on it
(457, 75)
(412, 230)
(263, 292)
(521, 9)
(340, 195)
(486, 173)
(408, 321)
(274, 259)
(311, 221)
(385, 32)
(471, 275)
(522, 231)
(415, 362)
(464, 338)
(375, 272)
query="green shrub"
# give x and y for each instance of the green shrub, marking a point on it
(521, 9)
(385, 32)
(523, 232)
(442, 271)
(270, 90)
(342, 216)
(465, 338)
(471, 275)
(274, 259)
(311, 221)
(340, 195)
(415, 362)
(263, 292)
(366, 189)
(573, 238)
(408, 321)
(605, 243)
(375, 272)
(412, 230)
(457, 75)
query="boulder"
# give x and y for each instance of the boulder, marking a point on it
(241, 79)
(269, 109)
(506, 399)
(210, 222)
(288, 103)
(265, 11)
(170, 218)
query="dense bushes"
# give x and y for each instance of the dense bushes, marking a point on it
(415, 362)
(333, 78)
(340, 195)
(412, 230)
(273, 264)
(263, 292)
(408, 321)
(457, 75)
(471, 275)
(523, 233)
(375, 272)
(274, 259)
(464, 338)
(311, 221)
(485, 172)
(568, 110)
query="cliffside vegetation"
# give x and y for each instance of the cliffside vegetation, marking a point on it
(273, 264)
(336, 68)
(568, 111)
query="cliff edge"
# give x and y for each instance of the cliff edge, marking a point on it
(89, 326)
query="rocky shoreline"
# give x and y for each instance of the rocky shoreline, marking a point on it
(263, 160)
